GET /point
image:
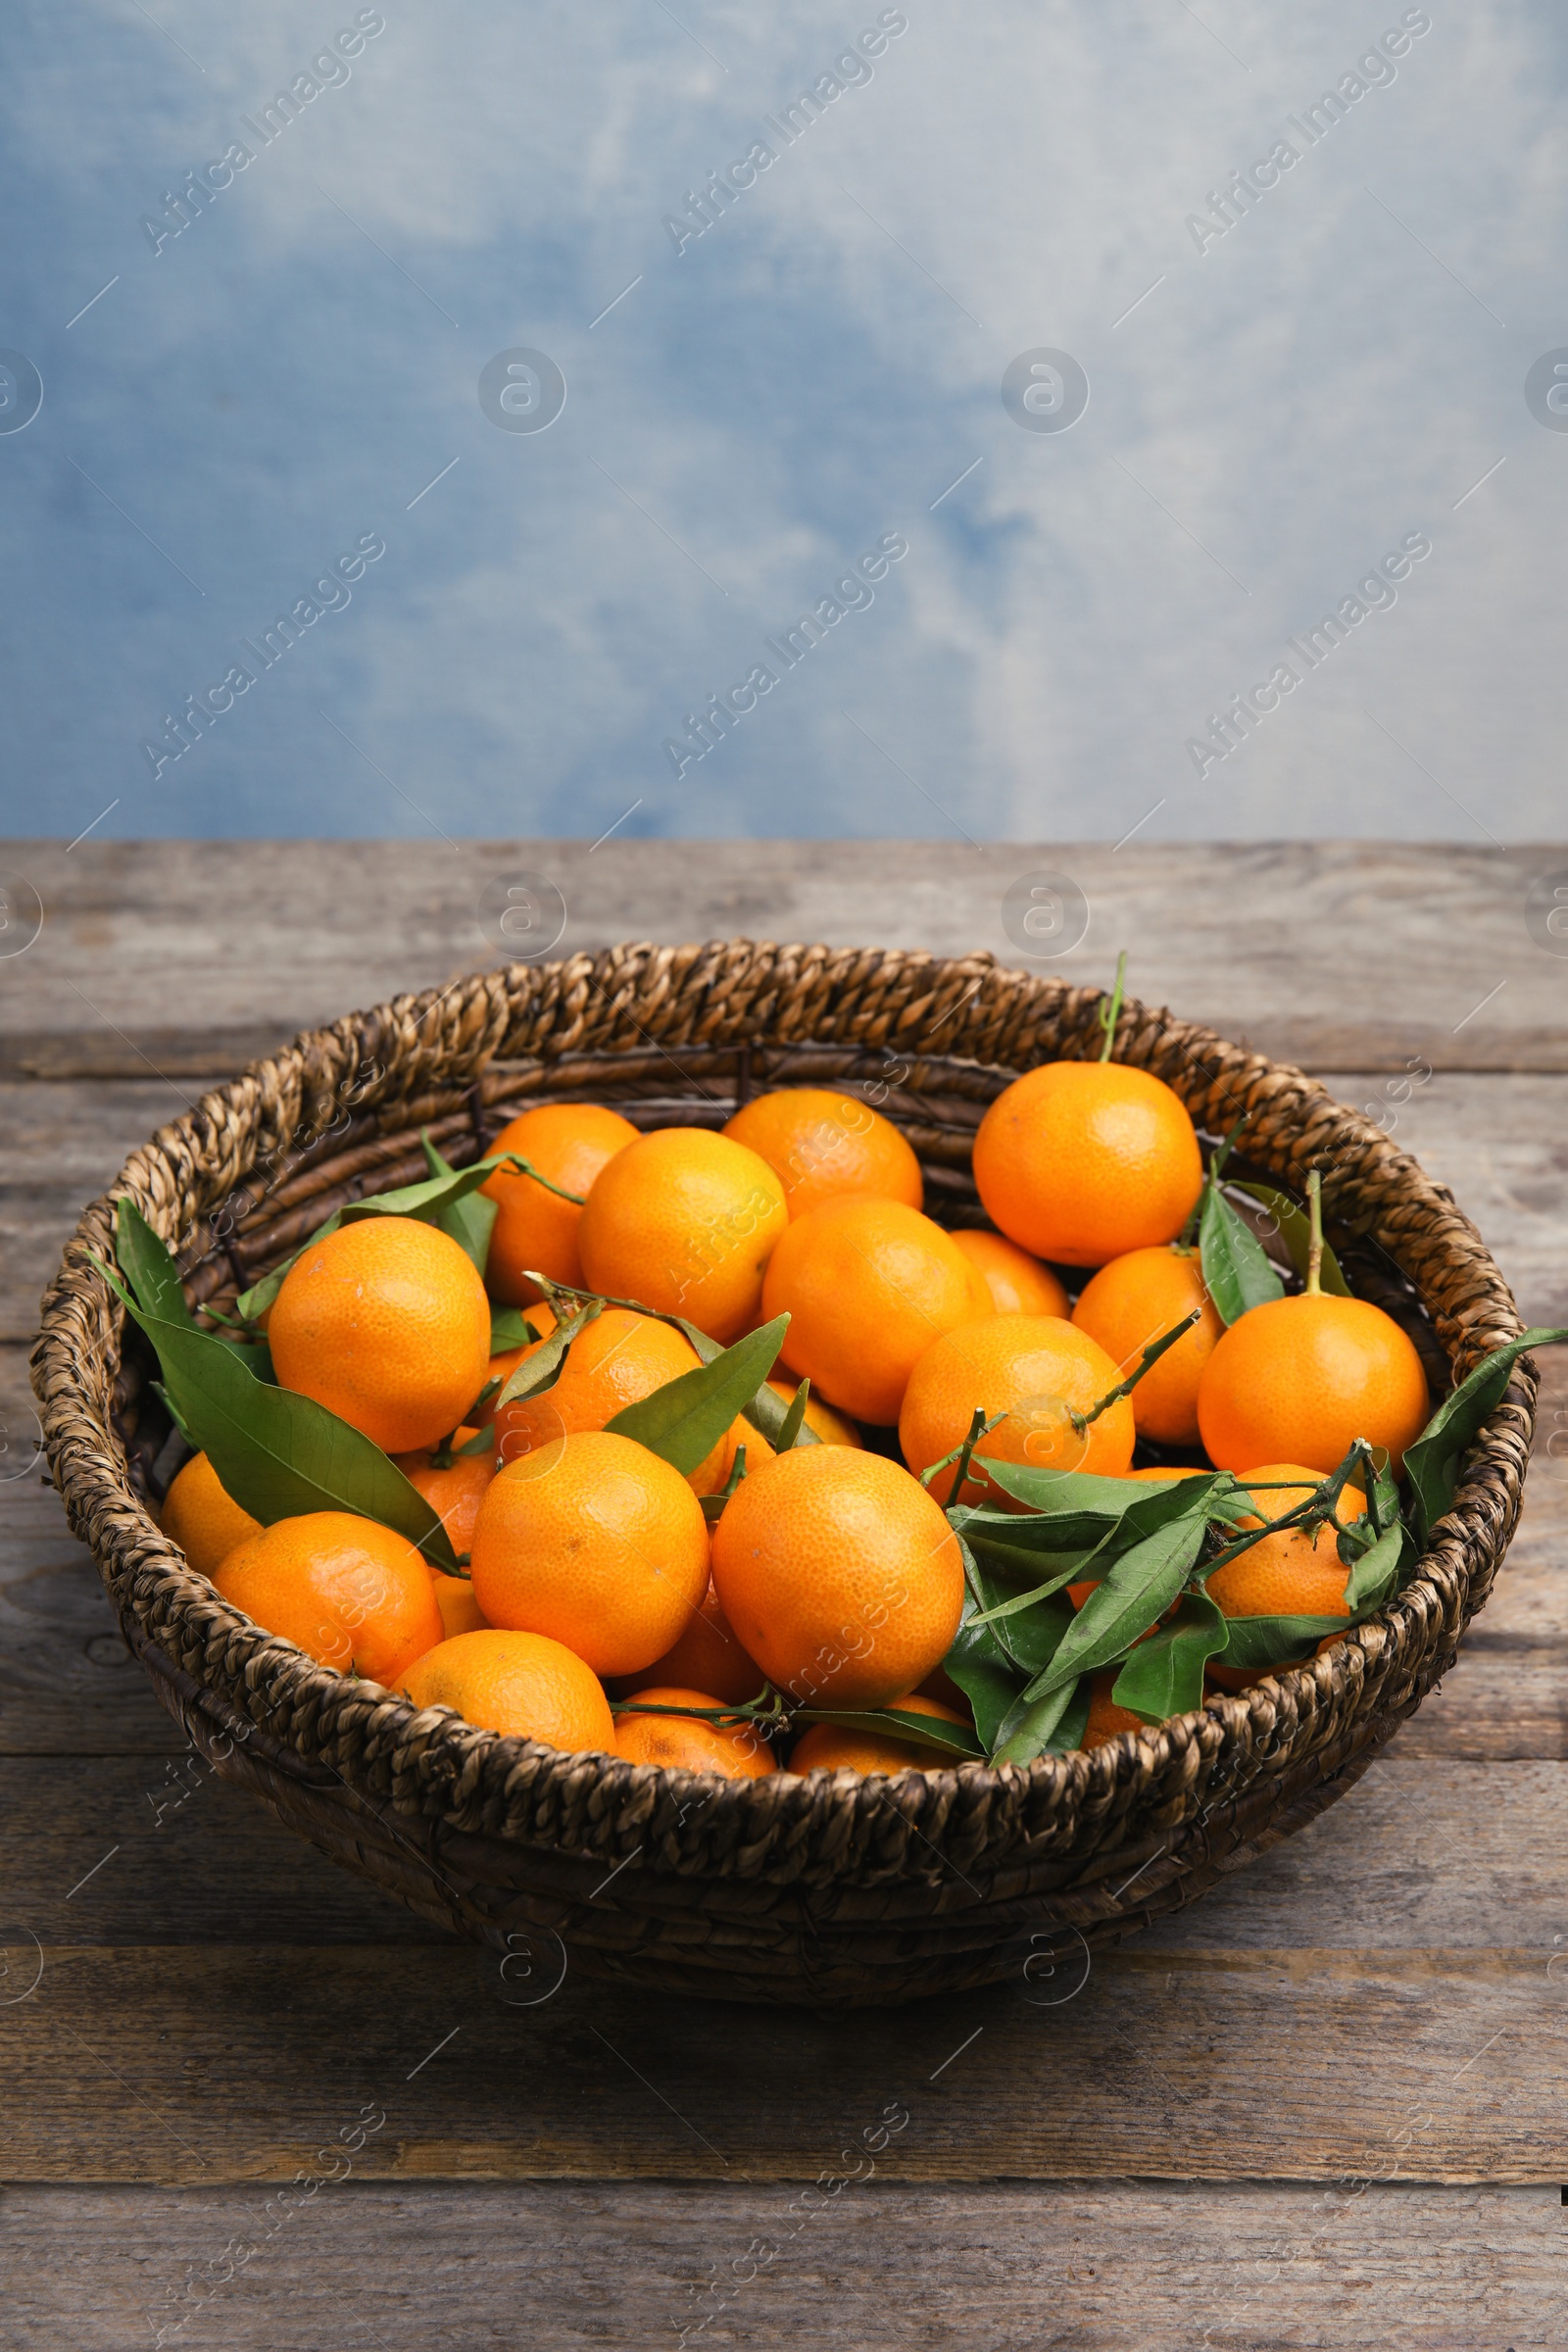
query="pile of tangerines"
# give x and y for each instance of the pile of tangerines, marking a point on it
(762, 1610)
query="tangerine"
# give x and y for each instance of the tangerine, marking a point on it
(867, 1286)
(1291, 1573)
(821, 1144)
(1300, 1379)
(686, 1743)
(1080, 1161)
(683, 1220)
(839, 1748)
(1131, 1303)
(839, 1575)
(351, 1594)
(386, 1323)
(1038, 1371)
(597, 1542)
(571, 1143)
(1019, 1285)
(202, 1517)
(521, 1684)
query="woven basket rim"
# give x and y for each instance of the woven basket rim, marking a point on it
(432, 1762)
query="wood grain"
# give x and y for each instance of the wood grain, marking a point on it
(999, 2267)
(233, 2062)
(187, 958)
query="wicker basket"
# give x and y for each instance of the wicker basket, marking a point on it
(830, 1890)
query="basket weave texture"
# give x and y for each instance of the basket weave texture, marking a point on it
(831, 1890)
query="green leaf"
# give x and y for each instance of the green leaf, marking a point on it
(1164, 1675)
(1063, 1494)
(1376, 1574)
(1296, 1227)
(953, 1740)
(1433, 1463)
(428, 1200)
(1236, 1268)
(794, 1418)
(470, 1220)
(766, 1411)
(1254, 1642)
(1135, 1591)
(277, 1453)
(511, 1328)
(148, 1266)
(1042, 1723)
(542, 1369)
(684, 1420)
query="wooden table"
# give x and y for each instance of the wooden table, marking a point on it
(1328, 2106)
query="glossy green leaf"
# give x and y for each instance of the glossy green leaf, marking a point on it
(793, 1417)
(277, 1453)
(147, 1265)
(1254, 1642)
(1237, 1272)
(1064, 1494)
(469, 1218)
(953, 1740)
(1164, 1675)
(1042, 1724)
(1296, 1228)
(1433, 1463)
(1137, 1590)
(684, 1420)
(1376, 1574)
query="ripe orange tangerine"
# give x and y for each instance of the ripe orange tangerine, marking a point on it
(521, 1684)
(1019, 1285)
(1300, 1379)
(571, 1143)
(1036, 1369)
(688, 1744)
(867, 1286)
(597, 1542)
(386, 1323)
(821, 1144)
(1081, 1161)
(351, 1594)
(683, 1220)
(1131, 1303)
(839, 1573)
(837, 1747)
(1287, 1575)
(202, 1517)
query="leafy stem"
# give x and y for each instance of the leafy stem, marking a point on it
(1125, 1388)
(1315, 1246)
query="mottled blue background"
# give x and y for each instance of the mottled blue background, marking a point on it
(290, 372)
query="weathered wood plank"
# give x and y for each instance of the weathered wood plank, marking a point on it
(1096, 2267)
(233, 2062)
(183, 957)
